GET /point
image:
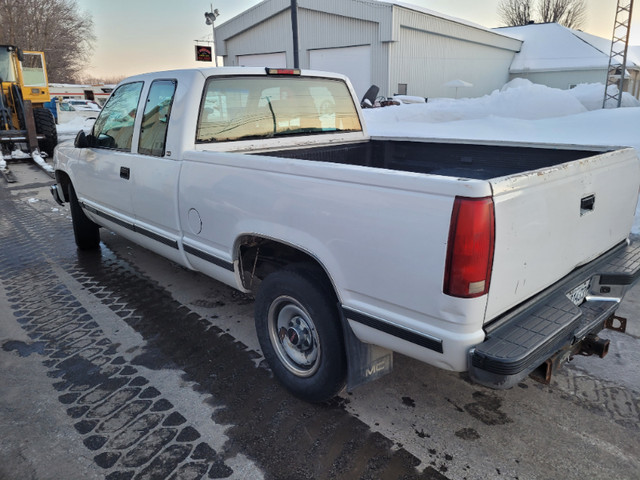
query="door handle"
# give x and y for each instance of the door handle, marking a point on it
(586, 204)
(125, 172)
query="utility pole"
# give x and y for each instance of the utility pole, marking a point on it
(294, 27)
(210, 18)
(618, 56)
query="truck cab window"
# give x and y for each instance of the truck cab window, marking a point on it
(153, 132)
(114, 126)
(244, 108)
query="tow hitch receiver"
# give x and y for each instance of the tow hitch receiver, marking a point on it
(594, 345)
(590, 345)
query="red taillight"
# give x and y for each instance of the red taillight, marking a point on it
(470, 249)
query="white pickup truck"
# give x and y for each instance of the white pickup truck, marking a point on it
(498, 259)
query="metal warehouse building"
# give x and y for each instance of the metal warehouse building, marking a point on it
(400, 47)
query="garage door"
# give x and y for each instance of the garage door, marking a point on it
(354, 62)
(275, 60)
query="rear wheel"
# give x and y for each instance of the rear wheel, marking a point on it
(86, 233)
(300, 334)
(46, 125)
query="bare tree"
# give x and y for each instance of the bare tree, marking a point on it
(570, 13)
(515, 12)
(91, 80)
(56, 27)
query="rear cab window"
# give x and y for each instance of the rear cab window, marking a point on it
(157, 110)
(114, 127)
(244, 108)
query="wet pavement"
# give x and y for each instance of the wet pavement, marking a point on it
(119, 364)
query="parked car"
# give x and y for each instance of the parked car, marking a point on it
(82, 105)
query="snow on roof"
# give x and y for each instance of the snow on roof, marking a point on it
(552, 47)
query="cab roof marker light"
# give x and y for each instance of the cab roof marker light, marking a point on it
(283, 71)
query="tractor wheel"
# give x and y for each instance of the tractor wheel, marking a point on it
(46, 125)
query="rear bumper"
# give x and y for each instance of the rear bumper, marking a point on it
(522, 340)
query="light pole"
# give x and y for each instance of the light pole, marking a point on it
(210, 18)
(294, 27)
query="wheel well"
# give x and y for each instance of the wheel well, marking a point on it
(259, 256)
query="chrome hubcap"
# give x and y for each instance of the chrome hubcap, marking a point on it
(294, 336)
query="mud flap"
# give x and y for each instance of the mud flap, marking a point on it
(365, 362)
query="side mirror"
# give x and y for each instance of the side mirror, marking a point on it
(83, 140)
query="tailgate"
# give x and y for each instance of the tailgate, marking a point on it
(551, 221)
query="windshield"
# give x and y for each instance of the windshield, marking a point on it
(6, 68)
(242, 108)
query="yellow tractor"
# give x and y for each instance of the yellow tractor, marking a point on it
(27, 127)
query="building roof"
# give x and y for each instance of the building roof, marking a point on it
(551, 47)
(270, 7)
(433, 13)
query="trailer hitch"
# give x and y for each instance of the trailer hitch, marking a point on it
(592, 344)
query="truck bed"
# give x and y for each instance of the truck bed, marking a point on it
(550, 220)
(480, 162)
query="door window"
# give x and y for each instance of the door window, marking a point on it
(153, 133)
(114, 126)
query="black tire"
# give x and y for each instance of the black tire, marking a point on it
(86, 233)
(46, 125)
(300, 333)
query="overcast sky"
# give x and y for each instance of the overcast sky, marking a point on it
(136, 36)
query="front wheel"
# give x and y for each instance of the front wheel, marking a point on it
(86, 233)
(300, 333)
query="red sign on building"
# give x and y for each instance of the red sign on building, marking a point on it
(204, 53)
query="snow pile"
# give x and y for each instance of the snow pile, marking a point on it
(592, 94)
(517, 99)
(520, 112)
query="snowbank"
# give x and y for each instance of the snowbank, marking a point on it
(521, 112)
(517, 99)
(591, 95)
